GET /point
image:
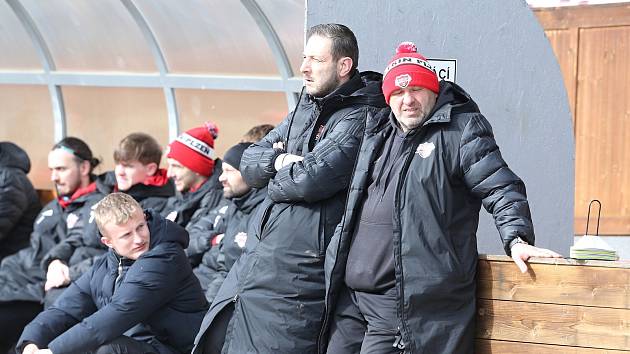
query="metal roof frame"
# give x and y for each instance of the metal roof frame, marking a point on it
(168, 82)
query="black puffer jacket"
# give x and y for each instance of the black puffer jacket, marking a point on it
(80, 249)
(189, 208)
(21, 274)
(234, 227)
(280, 289)
(158, 300)
(452, 166)
(19, 203)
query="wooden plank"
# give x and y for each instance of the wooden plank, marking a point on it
(560, 261)
(564, 43)
(584, 16)
(603, 127)
(581, 326)
(485, 346)
(555, 284)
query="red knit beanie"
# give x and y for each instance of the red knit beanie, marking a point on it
(195, 148)
(408, 68)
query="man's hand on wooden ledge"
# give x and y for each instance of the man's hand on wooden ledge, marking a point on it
(521, 252)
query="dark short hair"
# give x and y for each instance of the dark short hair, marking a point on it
(344, 43)
(79, 149)
(138, 147)
(255, 134)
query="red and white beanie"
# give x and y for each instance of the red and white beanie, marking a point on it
(195, 148)
(408, 68)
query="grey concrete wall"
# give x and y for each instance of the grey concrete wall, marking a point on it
(506, 63)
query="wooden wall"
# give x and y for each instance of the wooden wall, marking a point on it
(592, 44)
(560, 306)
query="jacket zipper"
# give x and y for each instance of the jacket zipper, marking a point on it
(405, 333)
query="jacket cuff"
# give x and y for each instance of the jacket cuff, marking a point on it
(514, 241)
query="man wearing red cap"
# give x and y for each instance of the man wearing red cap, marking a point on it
(401, 268)
(195, 170)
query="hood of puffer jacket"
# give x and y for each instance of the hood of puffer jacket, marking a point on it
(163, 230)
(12, 155)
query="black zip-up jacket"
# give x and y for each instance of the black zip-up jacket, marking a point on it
(80, 249)
(453, 166)
(21, 275)
(157, 299)
(234, 226)
(280, 287)
(19, 203)
(188, 208)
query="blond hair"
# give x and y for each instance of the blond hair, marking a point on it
(117, 208)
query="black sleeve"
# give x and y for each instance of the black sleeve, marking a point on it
(257, 163)
(325, 170)
(488, 177)
(13, 202)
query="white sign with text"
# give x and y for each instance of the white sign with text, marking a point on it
(445, 68)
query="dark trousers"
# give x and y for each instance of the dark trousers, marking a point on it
(14, 316)
(365, 323)
(215, 337)
(125, 345)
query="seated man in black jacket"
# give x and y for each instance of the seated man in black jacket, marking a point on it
(227, 227)
(195, 169)
(21, 277)
(137, 173)
(19, 203)
(141, 298)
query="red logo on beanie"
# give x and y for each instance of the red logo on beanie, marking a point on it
(403, 80)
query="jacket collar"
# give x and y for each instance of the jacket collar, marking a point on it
(250, 200)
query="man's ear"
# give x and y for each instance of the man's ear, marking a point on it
(107, 242)
(84, 168)
(344, 66)
(152, 168)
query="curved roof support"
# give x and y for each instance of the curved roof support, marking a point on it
(280, 55)
(56, 97)
(160, 62)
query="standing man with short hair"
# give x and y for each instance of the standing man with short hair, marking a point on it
(142, 297)
(276, 291)
(21, 277)
(401, 269)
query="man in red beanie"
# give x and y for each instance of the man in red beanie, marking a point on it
(401, 268)
(195, 169)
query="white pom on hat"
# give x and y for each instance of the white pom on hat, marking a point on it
(406, 47)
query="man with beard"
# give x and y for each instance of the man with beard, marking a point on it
(226, 229)
(21, 276)
(136, 173)
(276, 291)
(401, 269)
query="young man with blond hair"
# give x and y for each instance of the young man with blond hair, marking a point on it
(137, 172)
(142, 297)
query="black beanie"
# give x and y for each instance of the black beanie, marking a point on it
(234, 154)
